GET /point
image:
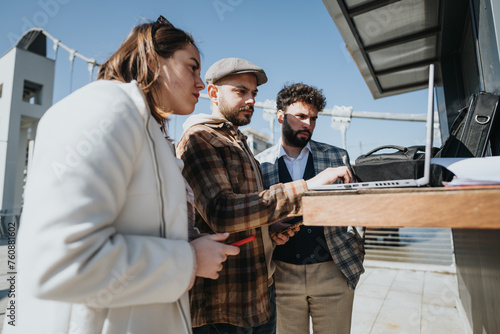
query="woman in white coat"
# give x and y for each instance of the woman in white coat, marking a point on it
(104, 239)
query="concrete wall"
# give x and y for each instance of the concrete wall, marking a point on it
(6, 79)
(18, 116)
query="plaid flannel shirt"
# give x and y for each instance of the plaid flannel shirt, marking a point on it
(346, 245)
(227, 199)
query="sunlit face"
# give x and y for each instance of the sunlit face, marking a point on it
(180, 81)
(236, 98)
(299, 121)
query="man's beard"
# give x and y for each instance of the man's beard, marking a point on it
(291, 136)
(233, 115)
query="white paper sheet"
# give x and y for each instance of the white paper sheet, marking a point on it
(471, 171)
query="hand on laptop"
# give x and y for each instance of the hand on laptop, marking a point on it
(330, 175)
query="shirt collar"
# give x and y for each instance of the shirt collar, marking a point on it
(304, 151)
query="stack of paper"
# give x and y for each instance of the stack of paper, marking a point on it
(471, 171)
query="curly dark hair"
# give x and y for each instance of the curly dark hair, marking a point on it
(299, 92)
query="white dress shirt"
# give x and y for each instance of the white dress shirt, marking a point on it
(296, 166)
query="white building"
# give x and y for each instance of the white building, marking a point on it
(26, 90)
(256, 140)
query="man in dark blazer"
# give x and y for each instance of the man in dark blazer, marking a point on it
(318, 269)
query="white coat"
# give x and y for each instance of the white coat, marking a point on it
(102, 246)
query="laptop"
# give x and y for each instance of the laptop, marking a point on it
(423, 181)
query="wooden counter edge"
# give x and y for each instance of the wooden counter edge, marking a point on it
(471, 207)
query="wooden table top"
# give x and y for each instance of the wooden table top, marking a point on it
(471, 207)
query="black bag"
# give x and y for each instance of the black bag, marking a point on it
(475, 126)
(405, 163)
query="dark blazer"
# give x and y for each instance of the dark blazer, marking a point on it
(345, 244)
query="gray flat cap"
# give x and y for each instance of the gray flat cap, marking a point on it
(230, 66)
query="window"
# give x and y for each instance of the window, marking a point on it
(32, 92)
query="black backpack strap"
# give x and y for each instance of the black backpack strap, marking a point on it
(474, 128)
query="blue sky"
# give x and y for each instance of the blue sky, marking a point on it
(293, 40)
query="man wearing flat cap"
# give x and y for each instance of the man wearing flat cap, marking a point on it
(230, 197)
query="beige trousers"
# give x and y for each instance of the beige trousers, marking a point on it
(317, 290)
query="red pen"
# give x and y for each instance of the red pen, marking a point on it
(244, 241)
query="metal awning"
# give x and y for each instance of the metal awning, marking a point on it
(391, 41)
